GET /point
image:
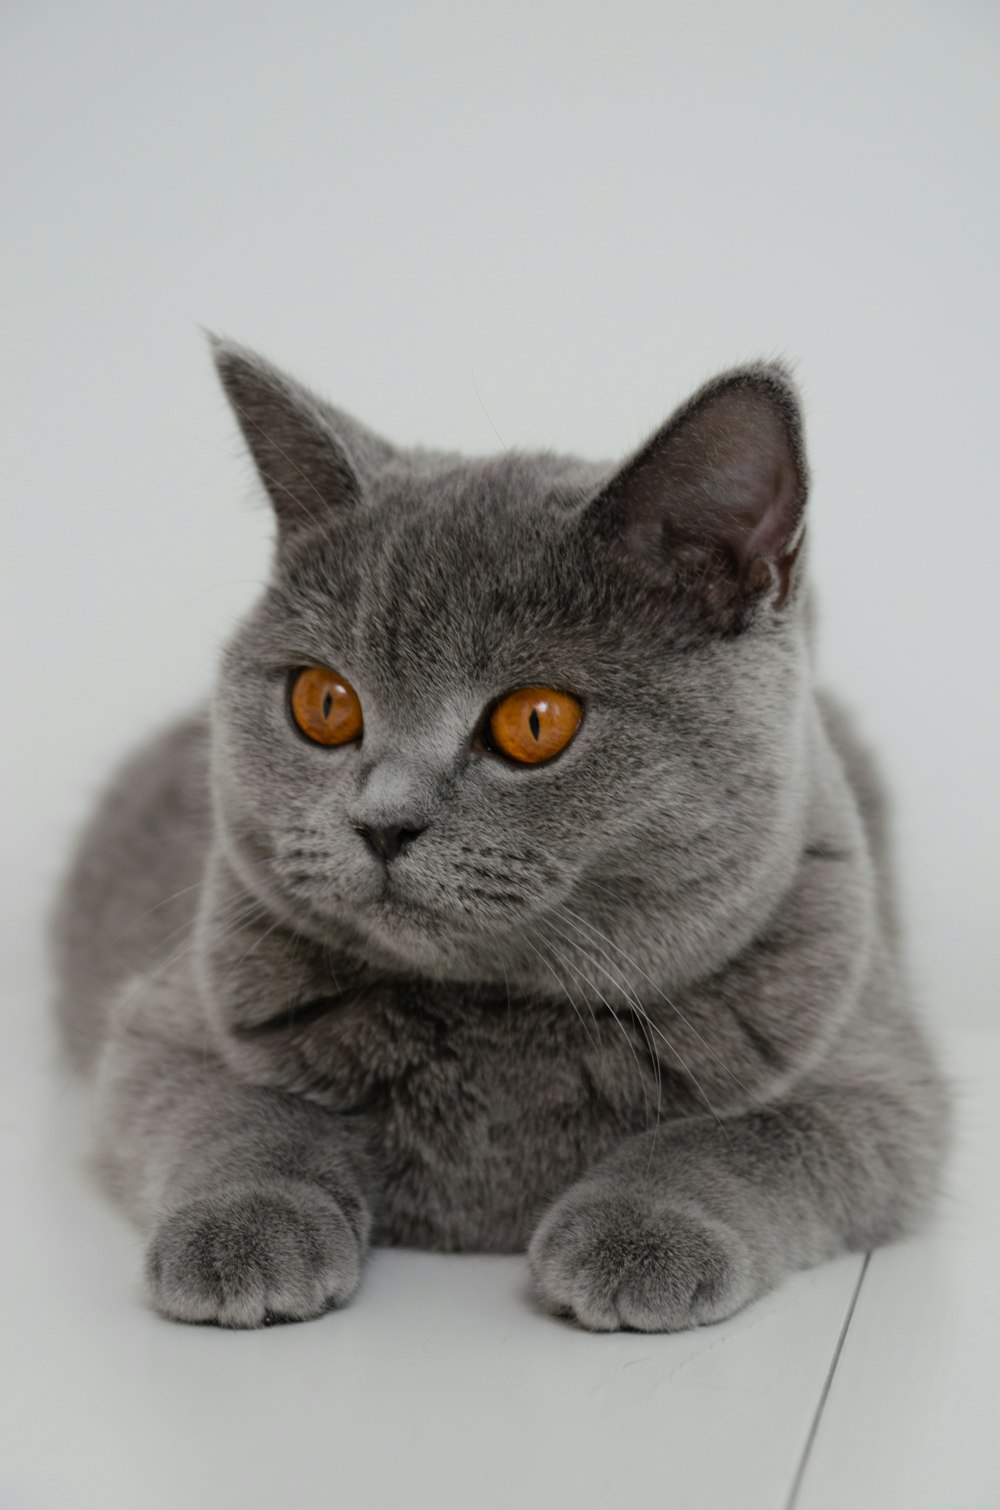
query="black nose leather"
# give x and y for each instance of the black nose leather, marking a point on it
(386, 840)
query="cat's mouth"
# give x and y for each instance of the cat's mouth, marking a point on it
(400, 909)
(395, 902)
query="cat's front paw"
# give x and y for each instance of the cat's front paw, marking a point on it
(614, 1259)
(252, 1256)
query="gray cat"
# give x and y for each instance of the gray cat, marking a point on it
(515, 890)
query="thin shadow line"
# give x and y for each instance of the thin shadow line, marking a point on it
(814, 1428)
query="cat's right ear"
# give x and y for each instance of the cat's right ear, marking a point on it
(713, 506)
(311, 458)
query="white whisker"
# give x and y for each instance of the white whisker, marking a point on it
(564, 988)
(610, 1008)
(644, 1015)
(754, 1100)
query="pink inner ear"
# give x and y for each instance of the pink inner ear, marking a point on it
(777, 522)
(730, 472)
(715, 499)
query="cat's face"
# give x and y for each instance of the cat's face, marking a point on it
(434, 588)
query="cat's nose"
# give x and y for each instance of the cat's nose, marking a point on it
(386, 840)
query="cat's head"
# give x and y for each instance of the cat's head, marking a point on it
(485, 705)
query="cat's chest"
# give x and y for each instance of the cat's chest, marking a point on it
(475, 1116)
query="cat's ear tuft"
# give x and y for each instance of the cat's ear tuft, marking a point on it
(311, 458)
(714, 503)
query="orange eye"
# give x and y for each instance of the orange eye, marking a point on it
(535, 723)
(325, 707)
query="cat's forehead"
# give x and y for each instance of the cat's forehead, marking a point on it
(454, 567)
(443, 484)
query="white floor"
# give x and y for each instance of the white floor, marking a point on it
(867, 1383)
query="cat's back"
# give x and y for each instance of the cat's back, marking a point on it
(132, 888)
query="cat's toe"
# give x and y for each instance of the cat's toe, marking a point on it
(615, 1261)
(254, 1256)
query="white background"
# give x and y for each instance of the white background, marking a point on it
(543, 221)
(547, 221)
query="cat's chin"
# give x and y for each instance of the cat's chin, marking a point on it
(402, 930)
(411, 943)
(392, 910)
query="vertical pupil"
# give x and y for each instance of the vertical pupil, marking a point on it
(327, 704)
(533, 723)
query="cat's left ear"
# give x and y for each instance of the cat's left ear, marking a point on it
(312, 459)
(713, 505)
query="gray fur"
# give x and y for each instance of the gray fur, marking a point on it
(638, 1010)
